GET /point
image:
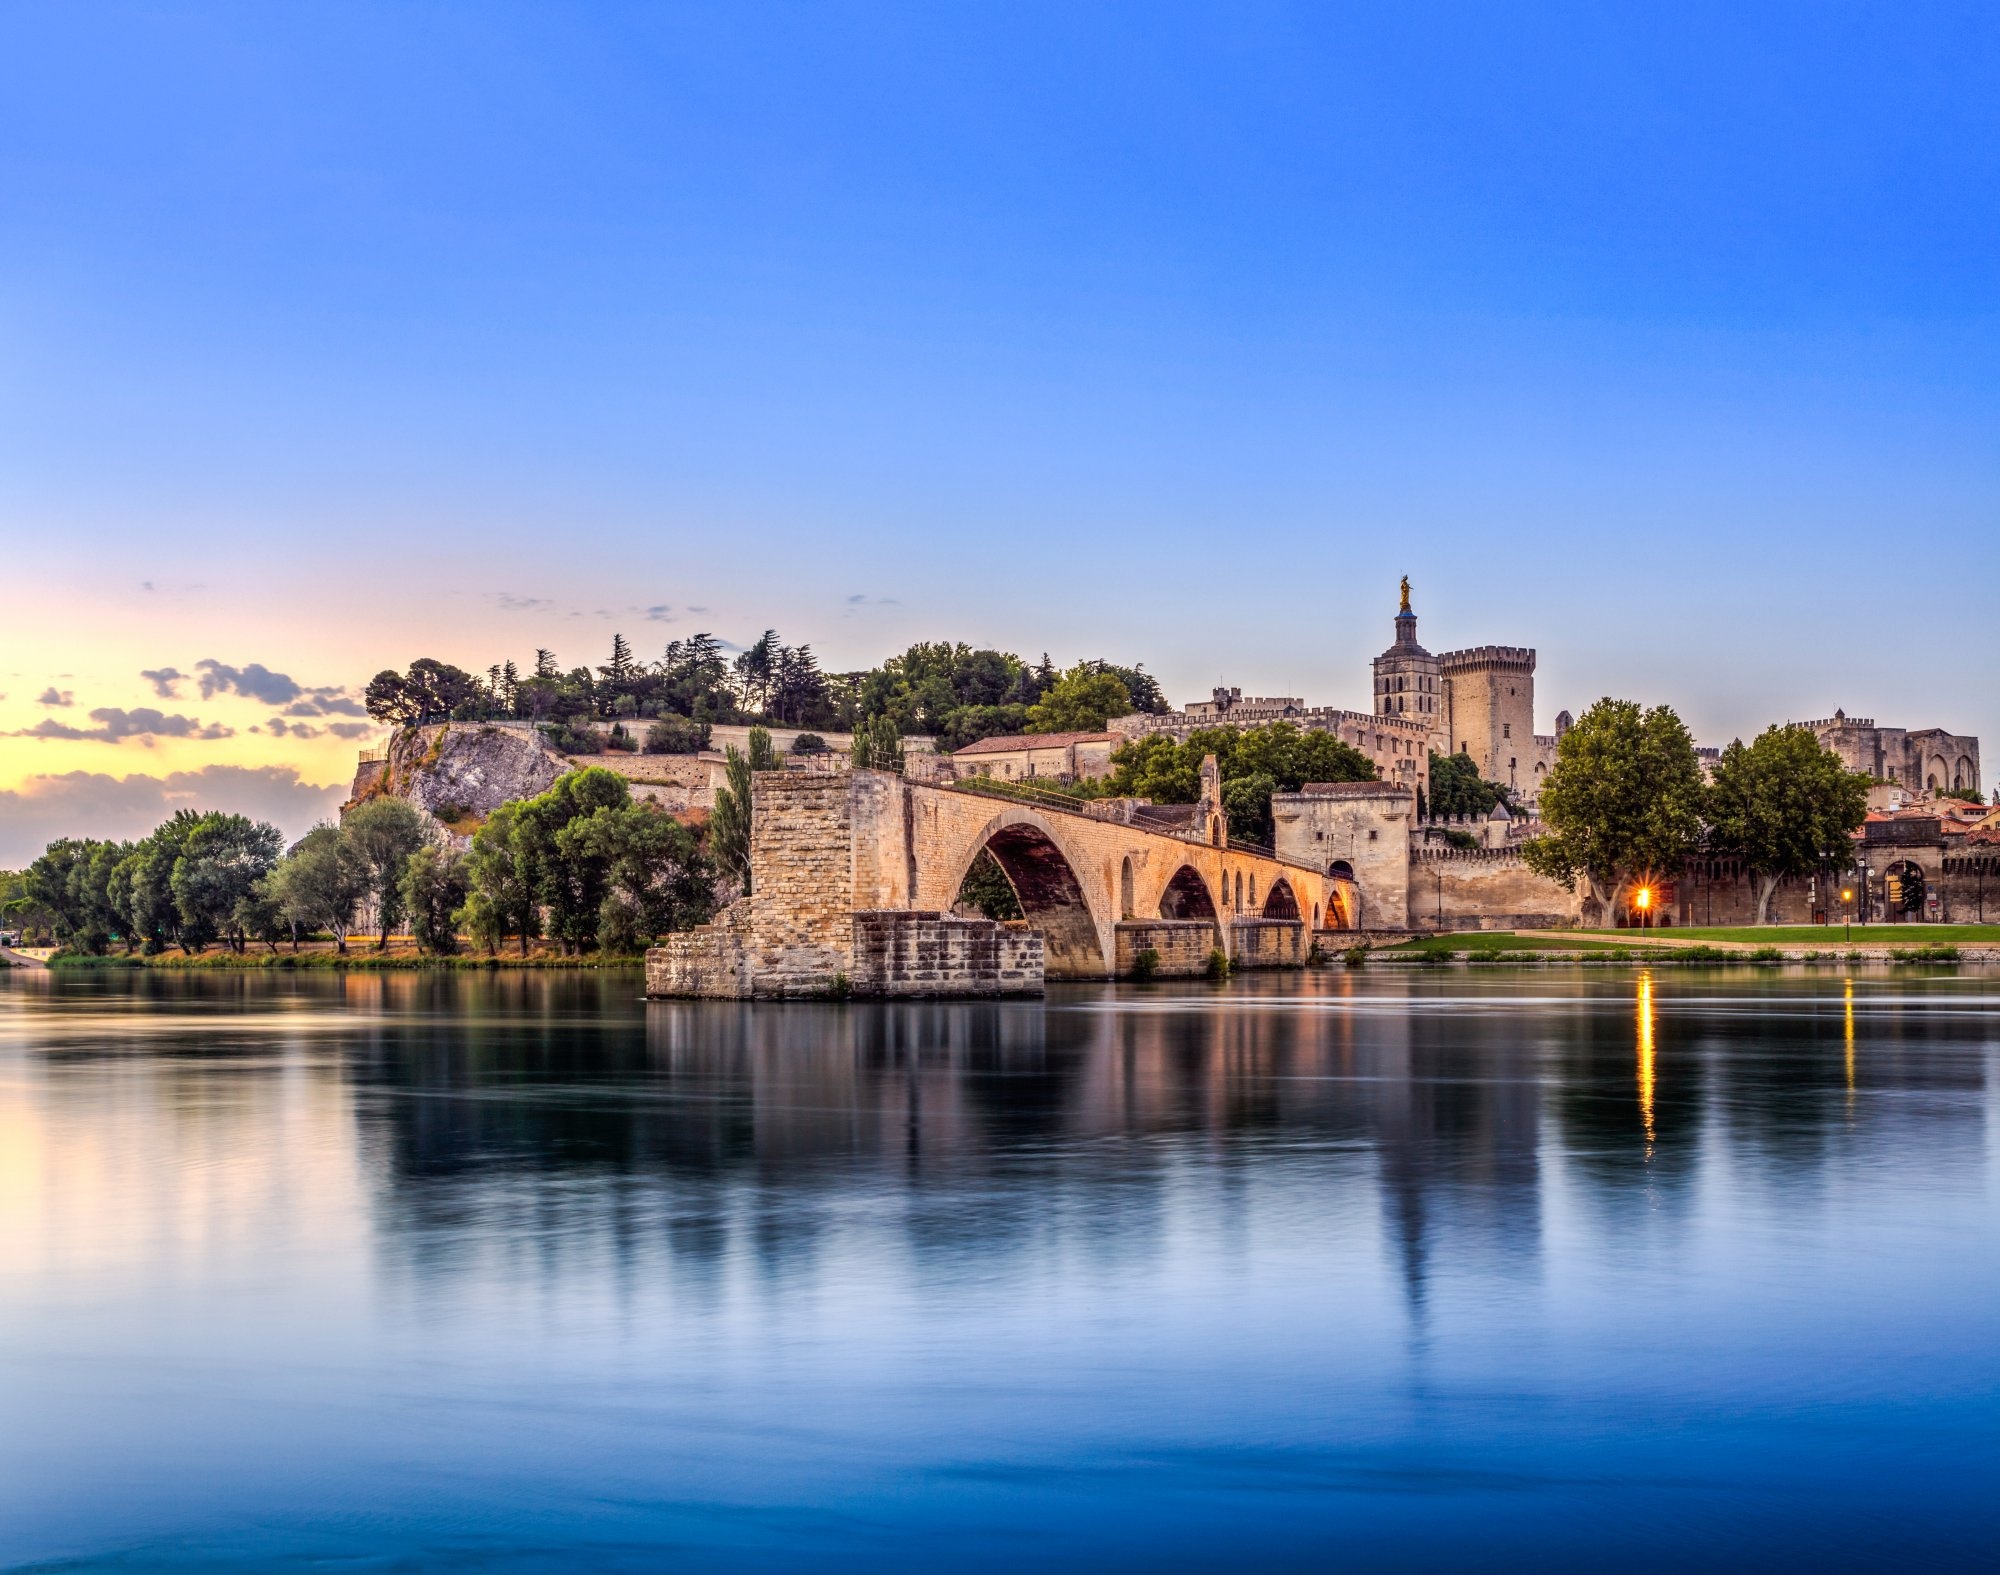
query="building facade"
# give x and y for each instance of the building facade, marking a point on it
(1927, 759)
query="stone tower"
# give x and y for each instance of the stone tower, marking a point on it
(1489, 711)
(1406, 675)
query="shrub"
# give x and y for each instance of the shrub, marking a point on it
(1702, 953)
(1217, 966)
(1939, 953)
(1355, 956)
(572, 738)
(1145, 965)
(1765, 954)
(676, 735)
(810, 744)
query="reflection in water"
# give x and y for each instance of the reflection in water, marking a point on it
(1847, 1036)
(1646, 1055)
(488, 1269)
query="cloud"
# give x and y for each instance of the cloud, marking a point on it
(115, 725)
(257, 682)
(350, 729)
(92, 804)
(507, 601)
(166, 681)
(254, 682)
(858, 601)
(280, 728)
(53, 696)
(663, 613)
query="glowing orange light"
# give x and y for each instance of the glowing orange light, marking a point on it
(1846, 896)
(1645, 897)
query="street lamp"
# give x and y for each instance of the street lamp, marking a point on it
(1644, 902)
(1847, 913)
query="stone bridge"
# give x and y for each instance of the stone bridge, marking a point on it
(854, 876)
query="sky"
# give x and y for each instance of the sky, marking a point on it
(1661, 339)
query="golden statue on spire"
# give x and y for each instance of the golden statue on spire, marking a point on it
(1406, 594)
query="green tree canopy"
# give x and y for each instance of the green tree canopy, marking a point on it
(223, 860)
(383, 833)
(729, 821)
(1255, 762)
(1785, 805)
(1457, 788)
(1082, 701)
(1624, 800)
(320, 883)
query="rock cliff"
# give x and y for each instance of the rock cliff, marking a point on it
(455, 769)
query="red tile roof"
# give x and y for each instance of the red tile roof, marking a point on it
(1009, 743)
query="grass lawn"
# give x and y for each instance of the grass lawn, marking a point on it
(1816, 935)
(1506, 941)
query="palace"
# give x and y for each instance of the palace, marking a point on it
(1479, 701)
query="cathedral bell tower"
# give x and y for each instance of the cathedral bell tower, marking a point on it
(1406, 675)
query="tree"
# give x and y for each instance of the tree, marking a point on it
(389, 700)
(650, 868)
(755, 669)
(569, 889)
(434, 888)
(878, 746)
(1280, 757)
(1623, 801)
(320, 882)
(676, 735)
(1784, 805)
(729, 821)
(761, 755)
(1457, 788)
(1082, 701)
(146, 877)
(70, 882)
(500, 891)
(260, 916)
(383, 833)
(222, 860)
(987, 888)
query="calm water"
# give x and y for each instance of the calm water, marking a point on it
(1508, 1269)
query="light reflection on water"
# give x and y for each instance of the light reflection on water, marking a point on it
(514, 1272)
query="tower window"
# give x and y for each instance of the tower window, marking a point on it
(1506, 729)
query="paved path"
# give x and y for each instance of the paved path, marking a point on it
(11, 958)
(1813, 938)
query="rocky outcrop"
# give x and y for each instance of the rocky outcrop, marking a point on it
(455, 769)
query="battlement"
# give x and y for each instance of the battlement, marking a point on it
(1513, 658)
(1842, 721)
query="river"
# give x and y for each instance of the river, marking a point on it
(1425, 1270)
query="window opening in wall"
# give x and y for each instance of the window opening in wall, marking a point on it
(1506, 729)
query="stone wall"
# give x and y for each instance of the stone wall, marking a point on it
(1268, 943)
(1182, 946)
(906, 953)
(1485, 889)
(470, 766)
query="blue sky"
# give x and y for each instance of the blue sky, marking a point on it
(1661, 339)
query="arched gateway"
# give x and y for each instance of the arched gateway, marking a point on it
(856, 876)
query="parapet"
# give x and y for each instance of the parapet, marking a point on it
(1516, 658)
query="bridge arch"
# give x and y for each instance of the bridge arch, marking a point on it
(1187, 897)
(1048, 881)
(1281, 902)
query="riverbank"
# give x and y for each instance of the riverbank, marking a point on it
(354, 960)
